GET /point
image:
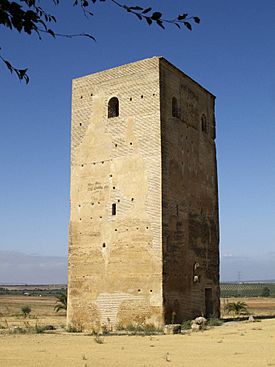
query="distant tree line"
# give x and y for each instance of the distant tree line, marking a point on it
(33, 292)
(247, 290)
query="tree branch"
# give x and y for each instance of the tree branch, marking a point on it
(26, 16)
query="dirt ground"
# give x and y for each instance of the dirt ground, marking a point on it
(235, 344)
(232, 344)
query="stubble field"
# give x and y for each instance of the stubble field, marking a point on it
(232, 344)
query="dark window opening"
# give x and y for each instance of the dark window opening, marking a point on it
(113, 209)
(175, 108)
(204, 126)
(113, 107)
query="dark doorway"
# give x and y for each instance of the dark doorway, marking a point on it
(208, 303)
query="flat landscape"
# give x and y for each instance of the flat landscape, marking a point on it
(232, 344)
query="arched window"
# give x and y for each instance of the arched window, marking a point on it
(204, 126)
(175, 108)
(113, 107)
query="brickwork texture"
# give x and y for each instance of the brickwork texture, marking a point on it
(143, 236)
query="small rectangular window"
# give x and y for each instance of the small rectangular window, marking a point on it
(113, 209)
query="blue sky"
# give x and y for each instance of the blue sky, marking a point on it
(231, 53)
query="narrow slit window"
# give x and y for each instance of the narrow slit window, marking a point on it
(113, 107)
(175, 107)
(113, 209)
(204, 126)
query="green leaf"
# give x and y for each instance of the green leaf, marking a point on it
(196, 19)
(51, 32)
(138, 15)
(149, 20)
(135, 8)
(188, 25)
(159, 23)
(8, 65)
(183, 16)
(156, 15)
(146, 10)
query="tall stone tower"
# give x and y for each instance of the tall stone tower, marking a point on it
(144, 233)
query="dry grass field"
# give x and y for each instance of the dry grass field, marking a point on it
(232, 344)
(42, 311)
(256, 305)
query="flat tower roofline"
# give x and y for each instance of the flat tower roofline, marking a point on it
(187, 76)
(161, 58)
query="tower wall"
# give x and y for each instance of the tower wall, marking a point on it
(144, 237)
(190, 230)
(115, 261)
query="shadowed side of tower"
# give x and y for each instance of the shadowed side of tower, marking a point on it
(190, 228)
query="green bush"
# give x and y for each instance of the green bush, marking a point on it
(41, 328)
(214, 321)
(19, 330)
(146, 329)
(237, 308)
(73, 329)
(186, 325)
(265, 292)
(26, 310)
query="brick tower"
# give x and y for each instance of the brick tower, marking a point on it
(144, 233)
